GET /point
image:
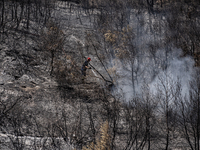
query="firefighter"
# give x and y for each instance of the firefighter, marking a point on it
(84, 68)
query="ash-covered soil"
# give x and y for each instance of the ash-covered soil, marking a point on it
(54, 111)
(43, 102)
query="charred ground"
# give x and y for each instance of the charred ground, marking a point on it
(43, 103)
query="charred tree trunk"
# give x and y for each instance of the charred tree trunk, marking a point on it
(28, 15)
(2, 12)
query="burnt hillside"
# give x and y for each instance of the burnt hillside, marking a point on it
(141, 93)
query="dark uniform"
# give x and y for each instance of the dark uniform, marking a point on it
(83, 69)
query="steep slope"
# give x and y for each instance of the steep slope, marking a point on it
(35, 104)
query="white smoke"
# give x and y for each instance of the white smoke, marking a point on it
(163, 64)
(179, 71)
(164, 70)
